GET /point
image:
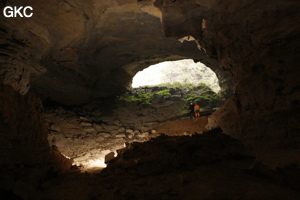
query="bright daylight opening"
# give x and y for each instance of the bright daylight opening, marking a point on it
(181, 71)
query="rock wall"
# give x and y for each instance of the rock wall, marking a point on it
(26, 156)
(257, 43)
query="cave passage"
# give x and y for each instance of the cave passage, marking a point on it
(83, 55)
(91, 134)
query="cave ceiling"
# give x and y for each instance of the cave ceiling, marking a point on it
(76, 51)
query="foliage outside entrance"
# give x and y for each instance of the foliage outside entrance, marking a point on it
(187, 92)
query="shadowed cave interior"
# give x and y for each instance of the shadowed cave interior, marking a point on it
(66, 77)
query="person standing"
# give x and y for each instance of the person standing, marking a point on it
(191, 110)
(197, 110)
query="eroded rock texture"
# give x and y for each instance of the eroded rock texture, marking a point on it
(258, 44)
(25, 154)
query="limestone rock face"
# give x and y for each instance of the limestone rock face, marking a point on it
(258, 44)
(25, 151)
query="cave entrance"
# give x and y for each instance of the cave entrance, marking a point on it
(182, 81)
(172, 73)
(91, 134)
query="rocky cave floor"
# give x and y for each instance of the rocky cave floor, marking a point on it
(166, 157)
(211, 165)
(87, 133)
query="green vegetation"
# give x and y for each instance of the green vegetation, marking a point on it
(165, 92)
(204, 96)
(146, 97)
(143, 98)
(206, 101)
(200, 93)
(190, 86)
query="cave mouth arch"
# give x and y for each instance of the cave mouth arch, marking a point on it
(179, 71)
